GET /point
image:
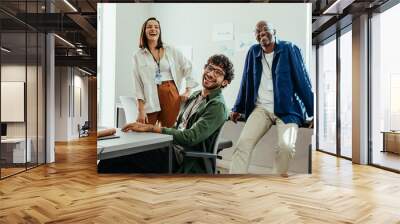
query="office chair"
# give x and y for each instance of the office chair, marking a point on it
(84, 130)
(210, 158)
(130, 108)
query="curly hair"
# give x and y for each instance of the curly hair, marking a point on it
(223, 62)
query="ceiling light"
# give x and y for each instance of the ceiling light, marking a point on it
(70, 5)
(5, 50)
(79, 51)
(331, 7)
(84, 71)
(65, 41)
(337, 7)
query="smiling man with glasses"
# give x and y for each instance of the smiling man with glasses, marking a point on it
(198, 123)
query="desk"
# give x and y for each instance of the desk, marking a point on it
(132, 143)
(391, 141)
(15, 148)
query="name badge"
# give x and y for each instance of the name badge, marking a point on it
(158, 77)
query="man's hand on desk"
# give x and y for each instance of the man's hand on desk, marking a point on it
(140, 127)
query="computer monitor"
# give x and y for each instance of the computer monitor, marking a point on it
(3, 129)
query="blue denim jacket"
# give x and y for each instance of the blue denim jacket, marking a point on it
(293, 96)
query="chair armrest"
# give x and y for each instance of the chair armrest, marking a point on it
(241, 118)
(224, 144)
(200, 154)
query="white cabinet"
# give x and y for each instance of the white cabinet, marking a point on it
(16, 149)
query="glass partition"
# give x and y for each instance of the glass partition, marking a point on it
(385, 90)
(22, 64)
(327, 97)
(13, 109)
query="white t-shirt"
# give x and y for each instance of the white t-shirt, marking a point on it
(265, 96)
(165, 70)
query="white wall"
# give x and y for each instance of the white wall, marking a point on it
(81, 103)
(17, 73)
(67, 117)
(61, 103)
(292, 21)
(126, 44)
(106, 59)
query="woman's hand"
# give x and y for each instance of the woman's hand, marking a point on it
(142, 118)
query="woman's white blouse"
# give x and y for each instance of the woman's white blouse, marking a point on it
(165, 70)
(144, 70)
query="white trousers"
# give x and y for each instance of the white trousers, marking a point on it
(259, 122)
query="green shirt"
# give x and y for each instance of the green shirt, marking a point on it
(203, 125)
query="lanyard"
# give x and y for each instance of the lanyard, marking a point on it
(155, 60)
(158, 72)
(269, 67)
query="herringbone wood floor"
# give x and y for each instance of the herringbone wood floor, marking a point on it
(70, 191)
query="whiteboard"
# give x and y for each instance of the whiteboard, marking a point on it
(12, 101)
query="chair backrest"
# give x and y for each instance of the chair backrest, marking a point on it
(214, 139)
(130, 108)
(217, 139)
(86, 125)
